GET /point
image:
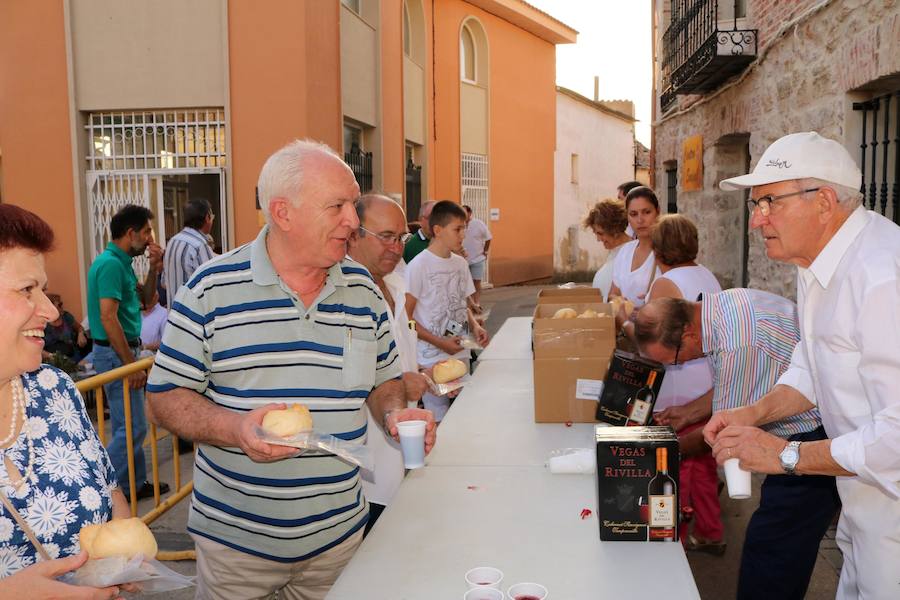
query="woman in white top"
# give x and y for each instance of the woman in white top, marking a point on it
(634, 266)
(608, 221)
(675, 245)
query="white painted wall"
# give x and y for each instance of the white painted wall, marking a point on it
(605, 148)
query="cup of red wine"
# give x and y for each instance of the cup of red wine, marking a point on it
(527, 591)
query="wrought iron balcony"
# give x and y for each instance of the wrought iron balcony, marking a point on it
(698, 55)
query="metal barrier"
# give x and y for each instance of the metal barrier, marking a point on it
(179, 492)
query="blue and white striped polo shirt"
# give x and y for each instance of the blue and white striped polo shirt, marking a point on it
(239, 336)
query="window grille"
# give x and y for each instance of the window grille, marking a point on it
(474, 180)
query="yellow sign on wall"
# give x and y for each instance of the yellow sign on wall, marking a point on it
(692, 164)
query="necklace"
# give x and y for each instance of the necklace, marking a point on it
(19, 406)
(14, 392)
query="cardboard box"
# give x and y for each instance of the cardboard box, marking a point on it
(630, 389)
(558, 295)
(570, 361)
(637, 483)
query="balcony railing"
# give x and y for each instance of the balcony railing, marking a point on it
(698, 55)
(360, 163)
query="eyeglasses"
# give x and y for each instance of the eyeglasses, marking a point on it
(389, 238)
(764, 204)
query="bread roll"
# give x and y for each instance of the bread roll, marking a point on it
(448, 370)
(618, 302)
(589, 314)
(288, 422)
(565, 313)
(119, 537)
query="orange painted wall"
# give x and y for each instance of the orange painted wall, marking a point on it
(392, 140)
(284, 83)
(522, 138)
(35, 131)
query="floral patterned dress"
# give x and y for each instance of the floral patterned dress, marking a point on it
(72, 479)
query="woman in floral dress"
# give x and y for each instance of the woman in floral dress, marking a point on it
(53, 469)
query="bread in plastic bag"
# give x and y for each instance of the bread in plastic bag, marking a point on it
(149, 574)
(353, 452)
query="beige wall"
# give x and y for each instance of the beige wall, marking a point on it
(359, 68)
(473, 135)
(413, 101)
(138, 54)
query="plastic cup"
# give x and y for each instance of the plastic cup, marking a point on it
(738, 480)
(484, 577)
(412, 443)
(483, 593)
(529, 591)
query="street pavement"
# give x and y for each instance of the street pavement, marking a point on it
(716, 576)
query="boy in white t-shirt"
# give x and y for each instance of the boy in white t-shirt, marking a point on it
(438, 284)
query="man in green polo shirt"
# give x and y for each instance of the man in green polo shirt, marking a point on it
(114, 313)
(420, 239)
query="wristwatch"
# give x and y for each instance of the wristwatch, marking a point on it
(790, 456)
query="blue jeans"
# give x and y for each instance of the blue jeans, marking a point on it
(106, 359)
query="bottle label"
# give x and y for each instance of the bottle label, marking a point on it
(662, 511)
(640, 411)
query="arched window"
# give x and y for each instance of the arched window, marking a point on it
(467, 56)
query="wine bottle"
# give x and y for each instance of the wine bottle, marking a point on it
(662, 495)
(640, 405)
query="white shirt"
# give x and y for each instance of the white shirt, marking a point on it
(848, 359)
(604, 275)
(633, 284)
(153, 324)
(440, 287)
(477, 234)
(381, 485)
(689, 380)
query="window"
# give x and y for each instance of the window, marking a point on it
(353, 136)
(352, 5)
(671, 187)
(467, 56)
(406, 32)
(574, 175)
(729, 10)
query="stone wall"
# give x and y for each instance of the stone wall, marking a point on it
(805, 80)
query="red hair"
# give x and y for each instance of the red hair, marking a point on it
(20, 228)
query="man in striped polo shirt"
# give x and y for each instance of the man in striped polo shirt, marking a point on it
(749, 337)
(283, 319)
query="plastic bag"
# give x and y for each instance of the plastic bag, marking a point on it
(352, 452)
(469, 342)
(442, 389)
(572, 460)
(150, 575)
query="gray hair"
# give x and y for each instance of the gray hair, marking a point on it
(848, 198)
(282, 175)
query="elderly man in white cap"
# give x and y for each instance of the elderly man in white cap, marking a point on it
(804, 200)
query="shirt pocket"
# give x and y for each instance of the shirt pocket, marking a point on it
(839, 373)
(359, 363)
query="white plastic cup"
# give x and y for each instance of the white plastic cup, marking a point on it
(484, 577)
(412, 443)
(527, 590)
(483, 593)
(738, 480)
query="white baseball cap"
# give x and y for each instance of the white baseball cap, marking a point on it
(798, 156)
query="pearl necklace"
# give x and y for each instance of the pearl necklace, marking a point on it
(18, 407)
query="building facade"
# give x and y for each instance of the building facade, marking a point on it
(731, 77)
(595, 152)
(107, 102)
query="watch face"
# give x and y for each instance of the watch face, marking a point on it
(791, 455)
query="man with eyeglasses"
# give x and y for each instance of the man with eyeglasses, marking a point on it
(748, 337)
(848, 360)
(378, 246)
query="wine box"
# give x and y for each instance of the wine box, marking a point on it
(630, 389)
(637, 483)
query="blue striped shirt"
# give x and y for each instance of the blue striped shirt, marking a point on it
(185, 252)
(750, 337)
(240, 337)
